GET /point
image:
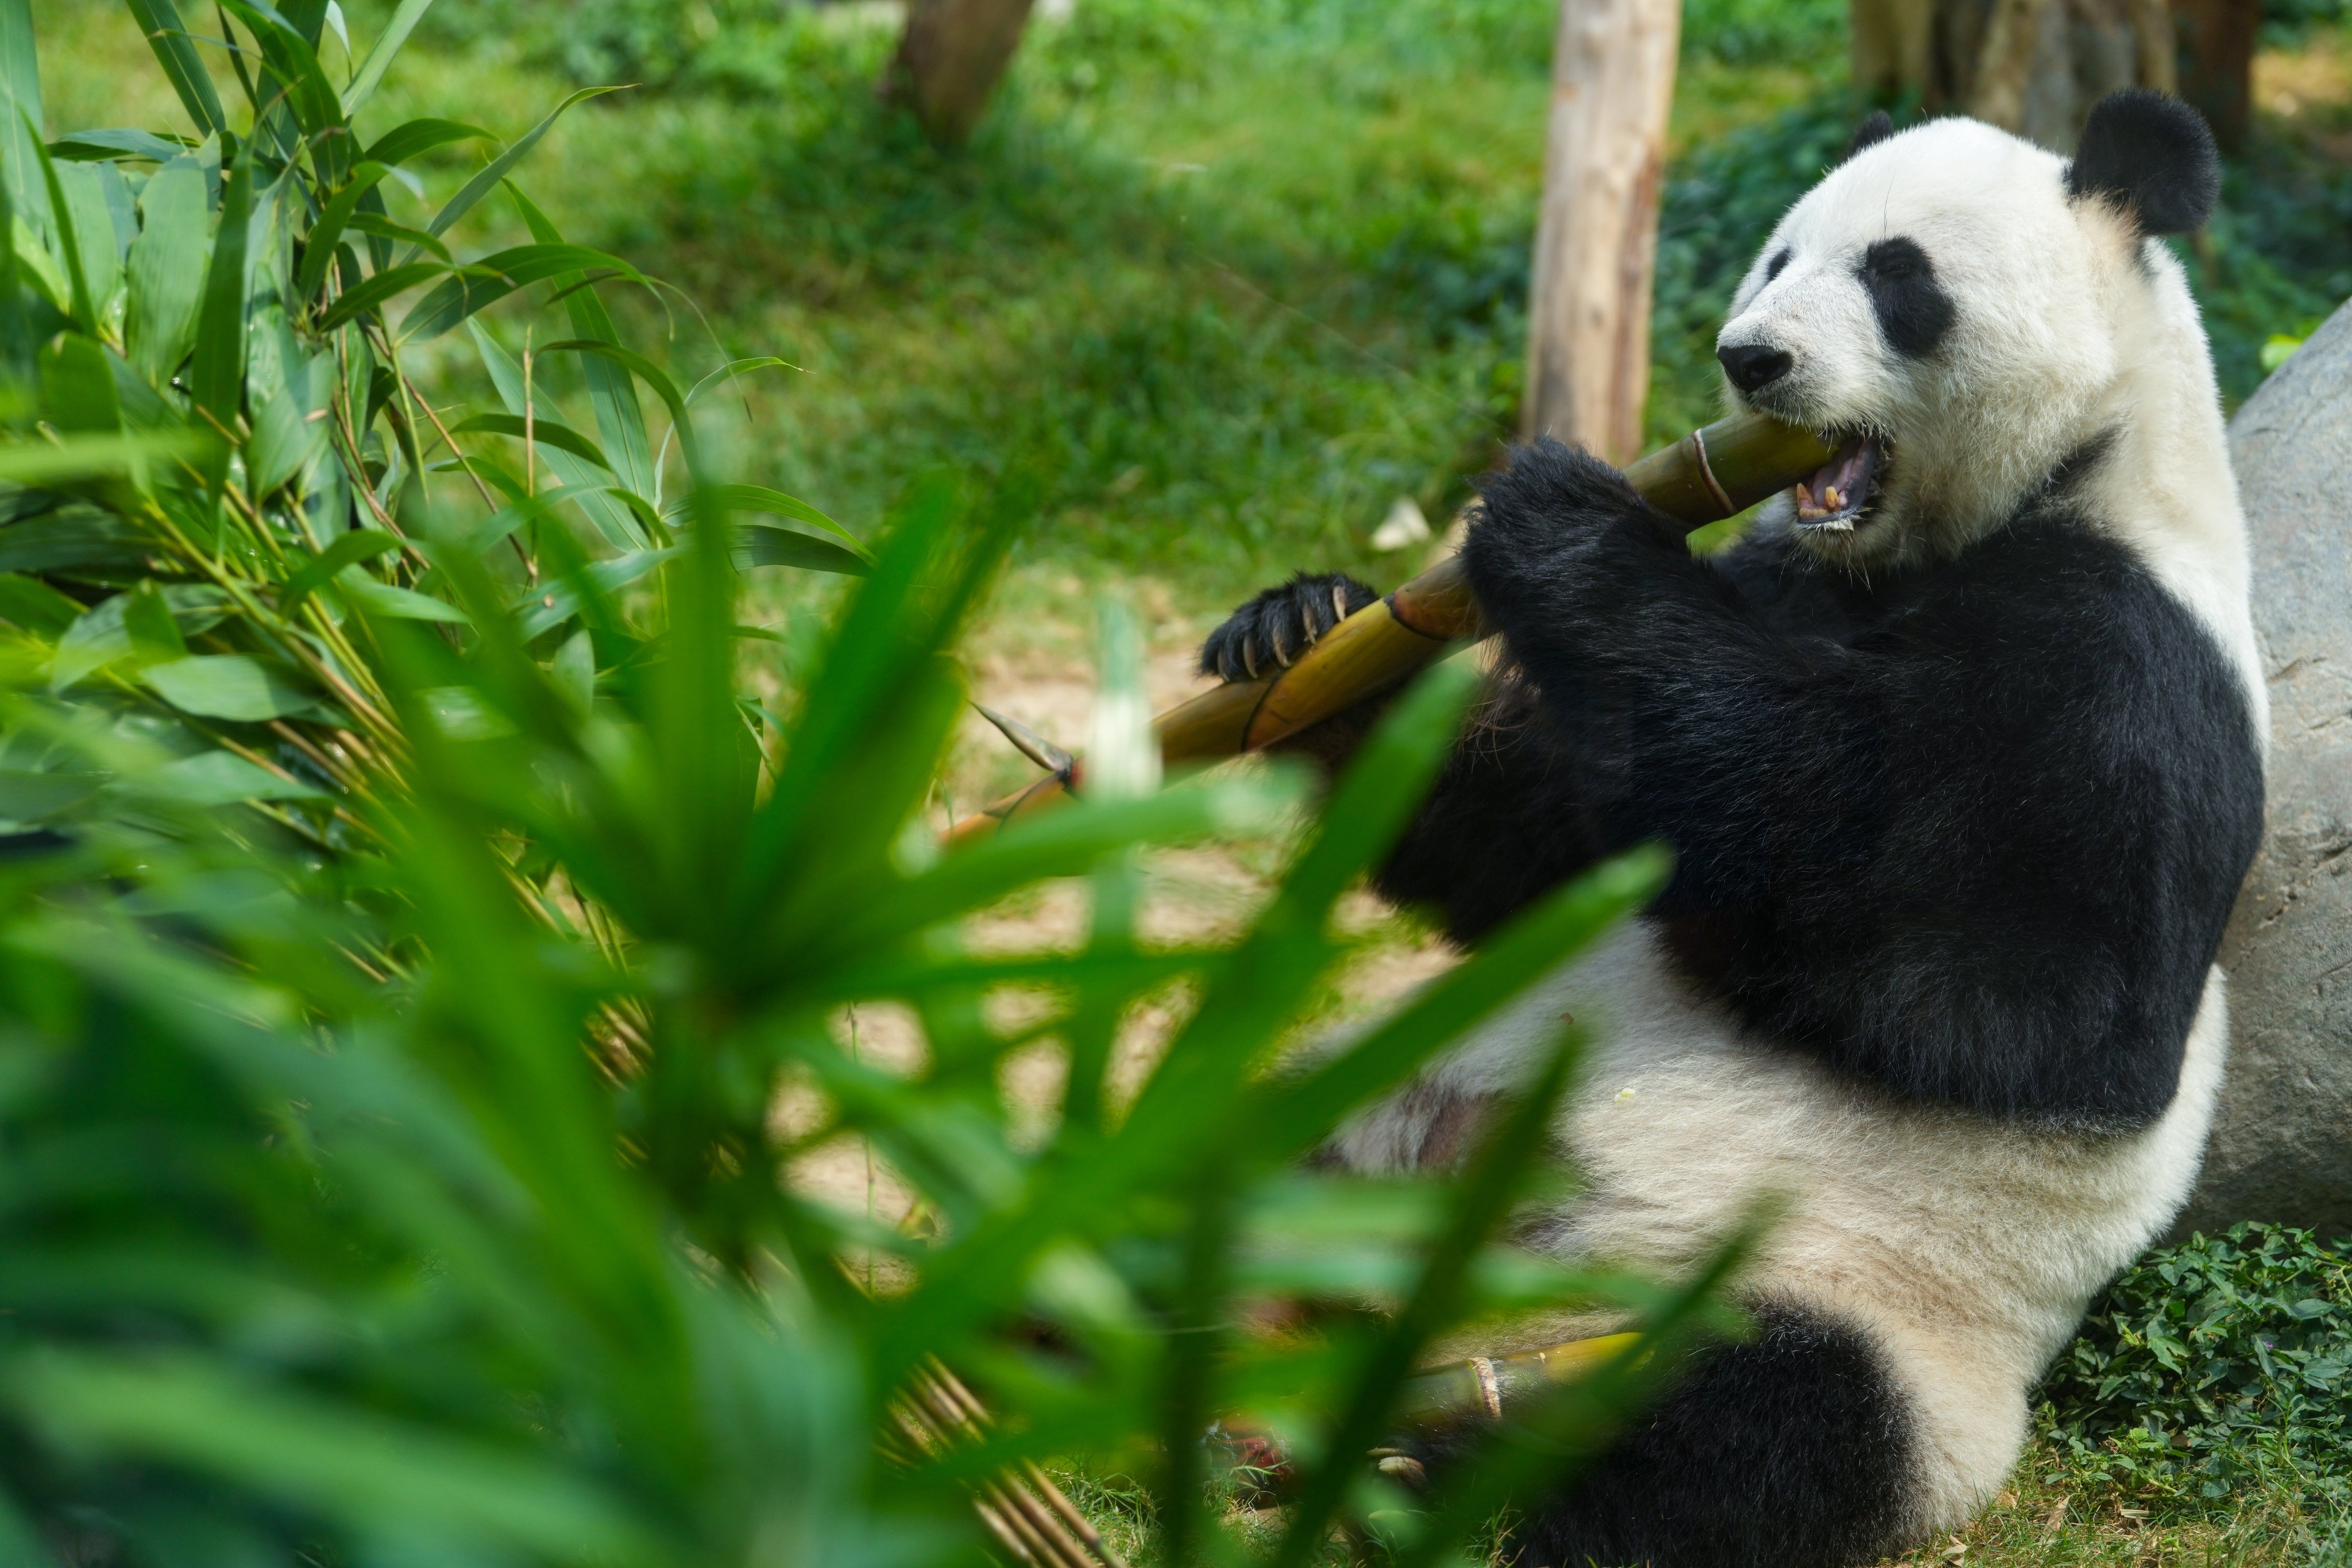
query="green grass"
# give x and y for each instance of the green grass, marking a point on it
(1239, 274)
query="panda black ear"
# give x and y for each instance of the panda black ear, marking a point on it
(2152, 157)
(1875, 128)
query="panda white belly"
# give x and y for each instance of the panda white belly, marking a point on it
(1964, 1248)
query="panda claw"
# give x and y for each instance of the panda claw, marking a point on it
(1280, 624)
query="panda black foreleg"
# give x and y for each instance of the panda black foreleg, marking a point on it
(1501, 825)
(1791, 1449)
(1693, 720)
(1505, 822)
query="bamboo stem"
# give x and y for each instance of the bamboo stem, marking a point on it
(1706, 476)
(1020, 1506)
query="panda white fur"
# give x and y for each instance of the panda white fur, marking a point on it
(1962, 767)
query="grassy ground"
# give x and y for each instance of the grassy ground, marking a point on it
(1233, 275)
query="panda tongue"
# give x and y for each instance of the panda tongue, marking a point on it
(1837, 491)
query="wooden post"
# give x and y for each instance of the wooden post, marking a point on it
(1612, 83)
(950, 59)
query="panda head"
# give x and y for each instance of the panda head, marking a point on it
(1961, 309)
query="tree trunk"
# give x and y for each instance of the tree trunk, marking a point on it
(2217, 46)
(1893, 45)
(2034, 67)
(950, 59)
(1596, 244)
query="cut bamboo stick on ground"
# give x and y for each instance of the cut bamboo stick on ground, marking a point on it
(1020, 1507)
(1038, 1526)
(1708, 476)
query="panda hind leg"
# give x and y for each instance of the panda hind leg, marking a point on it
(1790, 1449)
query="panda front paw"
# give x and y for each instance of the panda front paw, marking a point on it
(1558, 524)
(1272, 630)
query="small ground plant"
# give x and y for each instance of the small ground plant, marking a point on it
(2212, 1367)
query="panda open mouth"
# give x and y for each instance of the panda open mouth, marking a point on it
(1842, 489)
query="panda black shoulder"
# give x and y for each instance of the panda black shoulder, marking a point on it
(2151, 776)
(1996, 874)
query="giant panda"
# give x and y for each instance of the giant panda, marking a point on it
(1960, 753)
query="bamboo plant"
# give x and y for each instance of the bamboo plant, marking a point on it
(425, 974)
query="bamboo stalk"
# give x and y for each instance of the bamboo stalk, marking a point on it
(1706, 476)
(1020, 1506)
(1492, 1385)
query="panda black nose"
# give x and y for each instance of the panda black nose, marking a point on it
(1751, 365)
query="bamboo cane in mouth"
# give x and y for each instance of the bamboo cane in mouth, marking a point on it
(1709, 474)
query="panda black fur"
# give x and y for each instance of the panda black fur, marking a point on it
(1962, 768)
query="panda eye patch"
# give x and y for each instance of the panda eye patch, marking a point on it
(1773, 269)
(1913, 310)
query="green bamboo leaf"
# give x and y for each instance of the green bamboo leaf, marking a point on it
(639, 508)
(293, 60)
(214, 778)
(30, 602)
(365, 592)
(78, 386)
(365, 544)
(590, 479)
(29, 795)
(39, 268)
(637, 365)
(770, 544)
(20, 103)
(356, 1468)
(160, 20)
(543, 432)
(167, 268)
(620, 422)
(75, 540)
(227, 685)
(372, 294)
(100, 146)
(84, 186)
(1544, 1443)
(97, 639)
(79, 305)
(91, 457)
(1293, 1114)
(758, 497)
(654, 376)
(318, 245)
(417, 137)
(526, 509)
(733, 368)
(216, 367)
(148, 622)
(1484, 1195)
(380, 227)
(481, 184)
(552, 605)
(1061, 843)
(494, 277)
(379, 56)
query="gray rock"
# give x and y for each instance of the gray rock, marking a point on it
(2282, 1144)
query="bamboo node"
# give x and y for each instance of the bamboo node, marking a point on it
(1706, 471)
